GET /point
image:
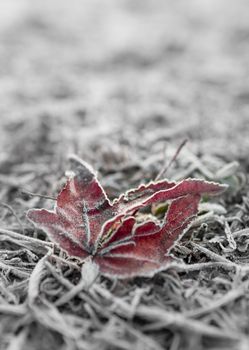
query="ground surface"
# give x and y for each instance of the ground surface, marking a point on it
(118, 83)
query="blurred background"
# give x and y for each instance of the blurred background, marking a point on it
(95, 75)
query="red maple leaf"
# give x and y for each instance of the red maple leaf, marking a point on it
(121, 241)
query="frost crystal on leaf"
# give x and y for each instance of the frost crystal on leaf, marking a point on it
(122, 241)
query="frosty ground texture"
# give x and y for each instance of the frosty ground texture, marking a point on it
(122, 84)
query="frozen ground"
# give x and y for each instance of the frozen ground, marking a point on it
(118, 82)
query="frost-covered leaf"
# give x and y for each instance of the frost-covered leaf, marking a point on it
(118, 238)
